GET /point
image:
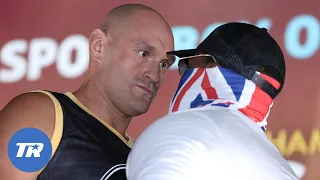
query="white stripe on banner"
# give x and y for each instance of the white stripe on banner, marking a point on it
(191, 94)
(222, 87)
(171, 105)
(248, 90)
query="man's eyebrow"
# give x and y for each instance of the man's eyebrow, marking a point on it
(147, 45)
(151, 48)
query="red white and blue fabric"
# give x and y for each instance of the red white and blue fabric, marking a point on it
(218, 86)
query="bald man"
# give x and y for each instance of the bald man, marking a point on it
(87, 128)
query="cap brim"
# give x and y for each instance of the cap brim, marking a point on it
(183, 53)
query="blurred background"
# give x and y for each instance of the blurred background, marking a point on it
(44, 45)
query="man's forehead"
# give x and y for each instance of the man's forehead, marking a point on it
(153, 43)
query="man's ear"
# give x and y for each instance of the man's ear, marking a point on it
(95, 45)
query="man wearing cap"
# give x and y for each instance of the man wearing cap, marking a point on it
(218, 115)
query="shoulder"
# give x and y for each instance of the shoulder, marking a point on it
(32, 97)
(32, 109)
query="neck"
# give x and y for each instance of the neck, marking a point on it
(217, 86)
(92, 96)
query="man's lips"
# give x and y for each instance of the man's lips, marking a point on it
(146, 89)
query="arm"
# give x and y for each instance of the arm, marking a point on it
(26, 110)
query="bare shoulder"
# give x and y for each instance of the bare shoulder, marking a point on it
(32, 109)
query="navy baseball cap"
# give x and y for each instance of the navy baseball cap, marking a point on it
(245, 49)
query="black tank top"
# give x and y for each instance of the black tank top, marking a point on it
(89, 149)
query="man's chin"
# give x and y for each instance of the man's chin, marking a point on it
(141, 107)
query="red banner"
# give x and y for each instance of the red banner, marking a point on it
(44, 45)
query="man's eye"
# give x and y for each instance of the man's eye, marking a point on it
(164, 65)
(143, 53)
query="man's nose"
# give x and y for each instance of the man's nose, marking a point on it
(152, 73)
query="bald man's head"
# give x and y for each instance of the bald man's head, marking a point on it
(128, 59)
(121, 13)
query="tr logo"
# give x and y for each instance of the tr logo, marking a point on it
(29, 149)
(32, 149)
